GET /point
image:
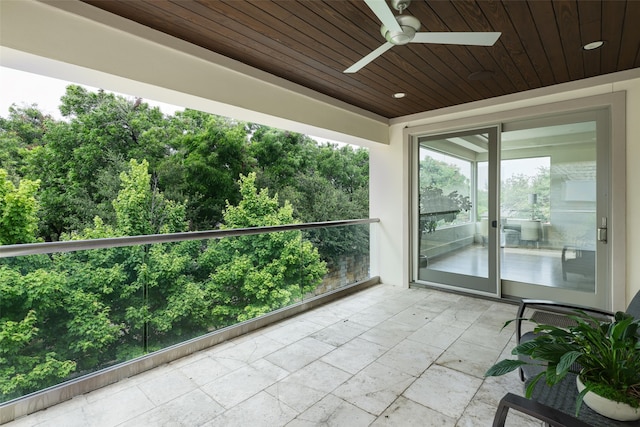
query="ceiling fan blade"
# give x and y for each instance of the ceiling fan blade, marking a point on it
(370, 57)
(472, 39)
(384, 14)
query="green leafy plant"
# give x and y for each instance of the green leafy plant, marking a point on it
(607, 354)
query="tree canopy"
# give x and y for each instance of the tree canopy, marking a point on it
(194, 158)
(116, 167)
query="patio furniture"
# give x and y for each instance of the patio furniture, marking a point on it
(554, 313)
(549, 415)
(556, 405)
(530, 231)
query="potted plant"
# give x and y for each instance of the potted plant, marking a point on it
(607, 353)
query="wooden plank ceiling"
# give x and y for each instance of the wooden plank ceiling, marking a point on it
(311, 43)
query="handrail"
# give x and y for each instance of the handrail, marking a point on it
(114, 242)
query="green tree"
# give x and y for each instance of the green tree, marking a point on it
(444, 193)
(254, 275)
(80, 156)
(347, 169)
(281, 156)
(440, 174)
(28, 123)
(515, 191)
(208, 155)
(18, 211)
(149, 288)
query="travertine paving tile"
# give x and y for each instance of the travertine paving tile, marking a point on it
(407, 413)
(293, 331)
(340, 333)
(494, 388)
(206, 369)
(388, 333)
(191, 409)
(374, 388)
(309, 385)
(333, 412)
(463, 315)
(468, 357)
(263, 410)
(487, 336)
(250, 350)
(481, 414)
(167, 387)
(411, 357)
(413, 316)
(437, 334)
(243, 383)
(354, 355)
(117, 408)
(299, 354)
(444, 390)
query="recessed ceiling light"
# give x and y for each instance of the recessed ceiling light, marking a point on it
(399, 95)
(593, 45)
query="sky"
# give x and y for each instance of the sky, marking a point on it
(21, 88)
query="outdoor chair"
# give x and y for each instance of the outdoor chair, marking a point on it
(555, 405)
(550, 416)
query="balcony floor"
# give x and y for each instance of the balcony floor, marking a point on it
(383, 356)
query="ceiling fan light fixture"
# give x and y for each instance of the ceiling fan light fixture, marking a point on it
(593, 45)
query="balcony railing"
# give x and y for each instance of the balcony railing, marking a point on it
(78, 315)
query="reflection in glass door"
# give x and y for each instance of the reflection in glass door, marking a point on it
(544, 237)
(552, 201)
(456, 243)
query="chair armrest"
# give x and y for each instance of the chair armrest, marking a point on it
(552, 306)
(551, 416)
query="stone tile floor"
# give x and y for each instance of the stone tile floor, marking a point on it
(386, 356)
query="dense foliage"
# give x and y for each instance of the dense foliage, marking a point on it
(194, 158)
(117, 167)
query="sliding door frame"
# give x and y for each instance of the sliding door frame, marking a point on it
(615, 103)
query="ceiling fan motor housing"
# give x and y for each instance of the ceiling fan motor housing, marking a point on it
(409, 24)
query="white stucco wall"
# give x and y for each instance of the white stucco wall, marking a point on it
(389, 166)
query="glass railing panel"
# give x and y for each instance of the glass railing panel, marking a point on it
(65, 315)
(199, 287)
(71, 313)
(345, 250)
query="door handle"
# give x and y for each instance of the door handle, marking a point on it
(602, 230)
(602, 235)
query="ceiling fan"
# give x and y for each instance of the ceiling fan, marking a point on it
(402, 29)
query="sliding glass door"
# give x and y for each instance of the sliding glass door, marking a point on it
(518, 210)
(457, 245)
(553, 208)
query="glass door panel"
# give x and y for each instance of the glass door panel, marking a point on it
(549, 208)
(456, 242)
